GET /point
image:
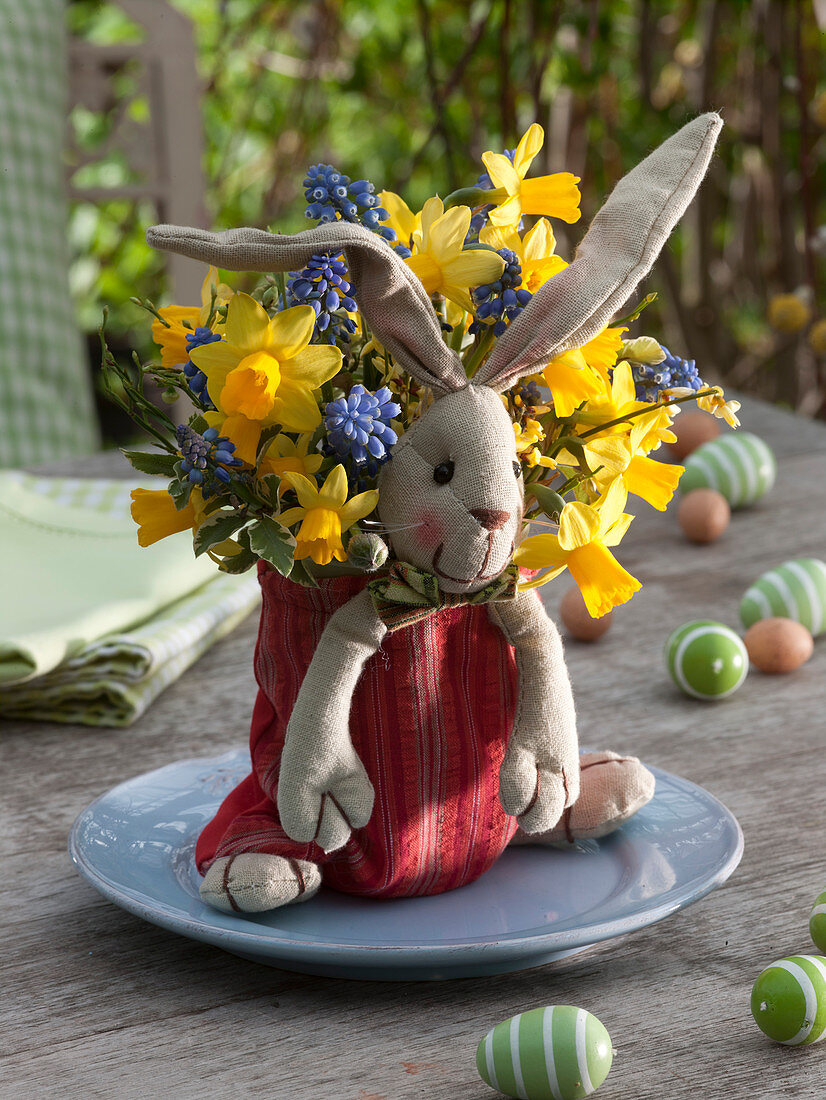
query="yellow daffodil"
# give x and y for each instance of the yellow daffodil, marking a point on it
(284, 455)
(581, 374)
(585, 534)
(526, 444)
(264, 372)
(184, 319)
(439, 260)
(556, 196)
(324, 515)
(535, 251)
(654, 481)
(717, 405)
(155, 513)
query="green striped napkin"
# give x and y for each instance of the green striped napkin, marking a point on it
(92, 627)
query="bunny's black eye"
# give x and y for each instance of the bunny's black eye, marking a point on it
(443, 473)
(517, 470)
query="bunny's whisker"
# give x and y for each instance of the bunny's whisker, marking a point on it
(377, 525)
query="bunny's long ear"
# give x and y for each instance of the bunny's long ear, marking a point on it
(618, 250)
(392, 299)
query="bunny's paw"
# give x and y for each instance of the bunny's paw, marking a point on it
(254, 882)
(326, 811)
(535, 791)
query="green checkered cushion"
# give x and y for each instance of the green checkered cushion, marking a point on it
(46, 408)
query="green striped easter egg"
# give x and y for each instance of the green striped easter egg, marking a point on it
(788, 1000)
(555, 1053)
(817, 922)
(740, 466)
(795, 590)
(706, 659)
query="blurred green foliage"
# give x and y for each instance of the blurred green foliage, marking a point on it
(409, 95)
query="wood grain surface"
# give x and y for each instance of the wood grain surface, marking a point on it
(96, 1003)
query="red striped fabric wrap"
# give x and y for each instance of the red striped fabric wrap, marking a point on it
(430, 721)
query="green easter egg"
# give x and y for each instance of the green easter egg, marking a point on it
(795, 590)
(738, 465)
(788, 1000)
(555, 1053)
(706, 659)
(817, 922)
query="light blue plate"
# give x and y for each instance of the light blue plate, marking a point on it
(136, 846)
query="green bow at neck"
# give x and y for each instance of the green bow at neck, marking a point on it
(407, 595)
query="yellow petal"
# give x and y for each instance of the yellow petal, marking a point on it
(616, 532)
(556, 195)
(425, 268)
(360, 506)
(601, 352)
(210, 280)
(601, 579)
(527, 148)
(314, 365)
(290, 331)
(610, 506)
(540, 552)
(291, 516)
(473, 268)
(216, 360)
(247, 324)
(447, 235)
(570, 381)
(431, 212)
(245, 434)
(539, 242)
(334, 490)
(295, 407)
(507, 213)
(501, 236)
(623, 390)
(502, 173)
(578, 525)
(653, 481)
(402, 219)
(155, 513)
(612, 452)
(306, 490)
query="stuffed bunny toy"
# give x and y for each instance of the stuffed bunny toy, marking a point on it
(388, 810)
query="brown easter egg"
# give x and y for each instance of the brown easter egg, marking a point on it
(692, 429)
(577, 619)
(778, 645)
(703, 514)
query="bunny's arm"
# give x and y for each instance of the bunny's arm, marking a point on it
(539, 777)
(323, 789)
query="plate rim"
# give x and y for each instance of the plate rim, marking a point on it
(282, 946)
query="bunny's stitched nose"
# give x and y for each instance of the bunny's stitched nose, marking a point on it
(490, 518)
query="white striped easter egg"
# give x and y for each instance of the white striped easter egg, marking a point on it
(788, 1000)
(706, 659)
(559, 1052)
(740, 466)
(817, 922)
(795, 590)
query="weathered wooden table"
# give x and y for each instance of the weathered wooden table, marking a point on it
(96, 1003)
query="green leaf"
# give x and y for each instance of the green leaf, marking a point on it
(272, 543)
(302, 575)
(238, 563)
(163, 464)
(270, 484)
(197, 423)
(216, 528)
(179, 490)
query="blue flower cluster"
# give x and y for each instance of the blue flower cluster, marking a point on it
(652, 379)
(204, 458)
(480, 218)
(332, 196)
(196, 378)
(359, 424)
(323, 285)
(503, 300)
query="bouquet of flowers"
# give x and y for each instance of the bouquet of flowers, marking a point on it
(297, 405)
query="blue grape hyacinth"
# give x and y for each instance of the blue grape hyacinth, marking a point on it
(332, 196)
(652, 379)
(502, 301)
(358, 425)
(323, 284)
(196, 378)
(204, 458)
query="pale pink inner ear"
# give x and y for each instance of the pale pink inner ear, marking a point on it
(618, 250)
(394, 303)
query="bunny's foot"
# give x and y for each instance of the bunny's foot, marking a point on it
(254, 882)
(612, 789)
